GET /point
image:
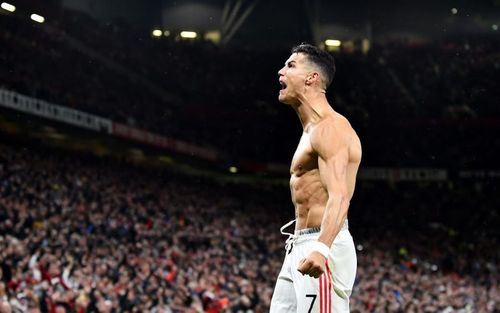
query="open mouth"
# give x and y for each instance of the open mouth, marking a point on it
(283, 85)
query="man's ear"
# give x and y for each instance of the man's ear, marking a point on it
(312, 77)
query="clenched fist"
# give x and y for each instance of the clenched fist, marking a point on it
(313, 265)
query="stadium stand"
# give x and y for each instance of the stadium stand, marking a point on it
(85, 234)
(81, 234)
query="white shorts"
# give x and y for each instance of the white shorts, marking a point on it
(329, 293)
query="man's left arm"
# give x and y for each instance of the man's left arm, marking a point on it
(332, 148)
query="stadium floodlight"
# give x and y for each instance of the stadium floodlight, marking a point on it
(233, 169)
(8, 7)
(37, 18)
(333, 43)
(157, 32)
(188, 34)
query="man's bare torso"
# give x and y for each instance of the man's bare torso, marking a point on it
(308, 194)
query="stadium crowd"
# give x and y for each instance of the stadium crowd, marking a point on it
(79, 234)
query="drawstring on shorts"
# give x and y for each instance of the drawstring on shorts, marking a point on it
(291, 237)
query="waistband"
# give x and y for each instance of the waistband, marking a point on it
(308, 231)
(314, 230)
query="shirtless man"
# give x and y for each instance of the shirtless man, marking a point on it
(320, 263)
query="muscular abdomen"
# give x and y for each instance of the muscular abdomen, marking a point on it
(309, 198)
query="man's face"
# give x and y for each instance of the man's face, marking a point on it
(292, 78)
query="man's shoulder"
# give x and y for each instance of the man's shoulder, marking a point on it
(335, 125)
(329, 134)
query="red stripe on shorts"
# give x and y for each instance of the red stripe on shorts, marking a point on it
(321, 294)
(325, 294)
(329, 288)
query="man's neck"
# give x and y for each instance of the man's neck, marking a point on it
(312, 109)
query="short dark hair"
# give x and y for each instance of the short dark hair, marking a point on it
(320, 58)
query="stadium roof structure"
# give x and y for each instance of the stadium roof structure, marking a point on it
(285, 22)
